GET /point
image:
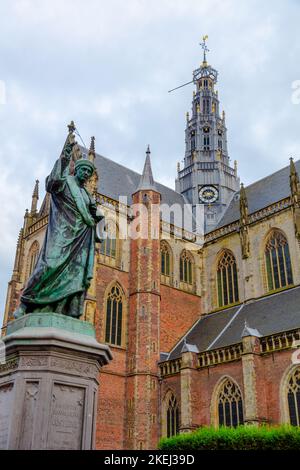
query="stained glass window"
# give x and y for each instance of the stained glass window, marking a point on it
(108, 245)
(293, 397)
(227, 280)
(172, 417)
(278, 261)
(114, 317)
(186, 268)
(230, 405)
(165, 259)
(33, 256)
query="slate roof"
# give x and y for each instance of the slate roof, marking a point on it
(116, 180)
(261, 194)
(269, 315)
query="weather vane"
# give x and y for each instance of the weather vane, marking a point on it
(203, 67)
(204, 46)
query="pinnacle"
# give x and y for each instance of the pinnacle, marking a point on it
(36, 189)
(92, 145)
(147, 181)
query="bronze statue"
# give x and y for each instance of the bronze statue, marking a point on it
(64, 267)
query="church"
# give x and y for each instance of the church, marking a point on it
(202, 319)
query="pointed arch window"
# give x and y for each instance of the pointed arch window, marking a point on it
(278, 261)
(206, 106)
(108, 245)
(165, 259)
(172, 417)
(230, 405)
(114, 316)
(293, 397)
(186, 268)
(228, 292)
(33, 256)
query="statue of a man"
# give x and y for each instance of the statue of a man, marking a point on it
(64, 267)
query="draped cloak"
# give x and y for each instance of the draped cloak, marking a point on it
(65, 263)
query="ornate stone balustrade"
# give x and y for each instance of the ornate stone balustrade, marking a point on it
(37, 225)
(221, 355)
(279, 341)
(170, 367)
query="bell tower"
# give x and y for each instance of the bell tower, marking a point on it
(207, 176)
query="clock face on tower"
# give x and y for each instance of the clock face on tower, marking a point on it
(208, 194)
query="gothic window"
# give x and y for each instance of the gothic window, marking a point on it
(186, 268)
(32, 257)
(293, 397)
(220, 144)
(165, 259)
(172, 417)
(108, 246)
(278, 261)
(206, 106)
(227, 281)
(230, 405)
(193, 141)
(114, 316)
(206, 141)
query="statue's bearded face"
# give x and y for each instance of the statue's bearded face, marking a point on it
(83, 173)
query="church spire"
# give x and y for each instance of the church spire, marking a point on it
(35, 198)
(147, 181)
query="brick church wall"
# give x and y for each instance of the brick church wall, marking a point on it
(178, 312)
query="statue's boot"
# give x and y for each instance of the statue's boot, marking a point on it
(20, 312)
(76, 305)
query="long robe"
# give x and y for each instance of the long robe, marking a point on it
(65, 263)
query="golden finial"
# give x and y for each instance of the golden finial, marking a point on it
(198, 108)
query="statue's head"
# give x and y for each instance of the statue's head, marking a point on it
(84, 169)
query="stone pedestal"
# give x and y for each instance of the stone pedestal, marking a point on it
(49, 383)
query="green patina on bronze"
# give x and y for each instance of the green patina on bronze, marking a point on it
(51, 320)
(64, 268)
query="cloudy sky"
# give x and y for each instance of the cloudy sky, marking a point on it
(109, 64)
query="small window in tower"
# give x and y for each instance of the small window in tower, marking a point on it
(193, 142)
(219, 132)
(220, 145)
(206, 130)
(206, 142)
(205, 83)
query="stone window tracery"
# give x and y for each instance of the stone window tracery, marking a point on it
(278, 261)
(114, 316)
(227, 281)
(293, 397)
(230, 405)
(172, 417)
(186, 268)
